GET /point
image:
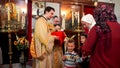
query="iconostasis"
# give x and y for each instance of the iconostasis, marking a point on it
(13, 12)
(13, 20)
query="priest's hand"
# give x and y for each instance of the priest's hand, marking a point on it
(56, 37)
(64, 58)
(42, 57)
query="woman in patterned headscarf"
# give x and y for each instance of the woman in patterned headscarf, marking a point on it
(103, 42)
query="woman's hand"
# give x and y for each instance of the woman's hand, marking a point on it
(84, 57)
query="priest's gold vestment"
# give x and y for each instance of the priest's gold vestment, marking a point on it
(44, 42)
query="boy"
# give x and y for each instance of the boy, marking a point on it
(71, 58)
(85, 63)
(83, 38)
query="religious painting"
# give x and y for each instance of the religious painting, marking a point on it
(70, 17)
(38, 10)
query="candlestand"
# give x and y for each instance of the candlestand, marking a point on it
(78, 30)
(9, 30)
(10, 46)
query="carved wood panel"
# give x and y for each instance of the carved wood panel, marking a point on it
(82, 1)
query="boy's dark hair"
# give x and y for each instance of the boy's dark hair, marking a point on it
(84, 34)
(48, 8)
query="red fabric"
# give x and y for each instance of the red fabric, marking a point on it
(89, 10)
(86, 30)
(60, 34)
(69, 67)
(103, 56)
(29, 28)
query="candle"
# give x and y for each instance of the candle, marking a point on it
(18, 16)
(78, 17)
(8, 12)
(72, 18)
(23, 20)
(63, 21)
(83, 13)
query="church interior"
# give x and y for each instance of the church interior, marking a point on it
(17, 23)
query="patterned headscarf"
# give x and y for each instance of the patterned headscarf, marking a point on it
(102, 14)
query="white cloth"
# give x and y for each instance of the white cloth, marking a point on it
(88, 18)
